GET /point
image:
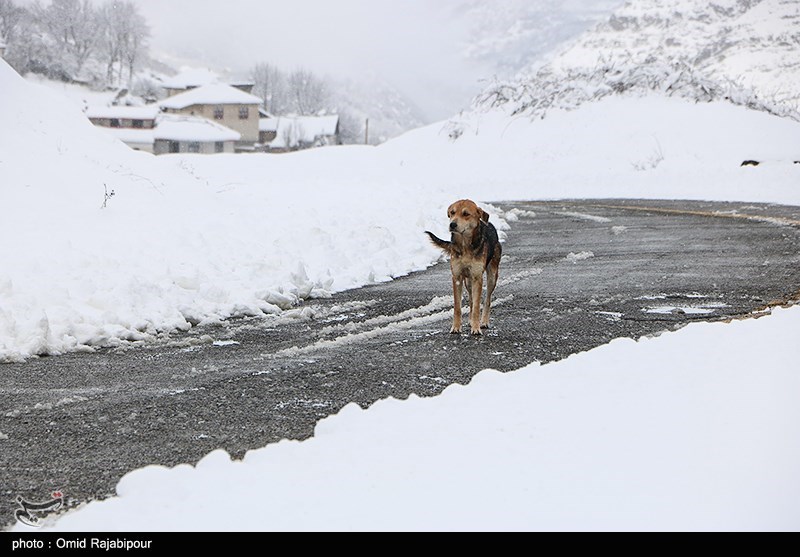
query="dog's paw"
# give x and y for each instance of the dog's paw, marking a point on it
(454, 331)
(477, 332)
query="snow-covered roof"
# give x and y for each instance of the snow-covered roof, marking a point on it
(295, 130)
(191, 77)
(132, 135)
(192, 128)
(217, 93)
(148, 112)
(268, 124)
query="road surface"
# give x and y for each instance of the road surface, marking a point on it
(574, 276)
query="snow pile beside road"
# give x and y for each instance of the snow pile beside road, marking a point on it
(694, 430)
(170, 251)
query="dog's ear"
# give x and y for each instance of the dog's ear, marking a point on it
(484, 215)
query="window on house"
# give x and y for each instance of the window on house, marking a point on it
(138, 123)
(219, 112)
(174, 147)
(194, 147)
(115, 123)
(244, 112)
(219, 147)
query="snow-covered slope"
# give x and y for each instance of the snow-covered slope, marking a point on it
(755, 43)
(508, 35)
(747, 51)
(170, 250)
(653, 435)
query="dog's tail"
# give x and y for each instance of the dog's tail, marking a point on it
(439, 243)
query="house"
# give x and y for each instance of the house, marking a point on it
(146, 128)
(267, 128)
(193, 78)
(133, 125)
(192, 134)
(223, 104)
(291, 133)
(135, 117)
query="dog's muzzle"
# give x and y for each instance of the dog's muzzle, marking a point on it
(453, 226)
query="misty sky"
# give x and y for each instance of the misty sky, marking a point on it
(425, 48)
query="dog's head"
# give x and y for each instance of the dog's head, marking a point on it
(465, 216)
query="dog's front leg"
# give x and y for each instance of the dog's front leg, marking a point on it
(475, 305)
(456, 305)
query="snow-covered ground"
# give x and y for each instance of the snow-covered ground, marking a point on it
(169, 250)
(693, 430)
(197, 239)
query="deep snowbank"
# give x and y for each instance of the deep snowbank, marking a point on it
(169, 250)
(693, 430)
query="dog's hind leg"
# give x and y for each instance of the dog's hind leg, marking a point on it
(456, 306)
(492, 274)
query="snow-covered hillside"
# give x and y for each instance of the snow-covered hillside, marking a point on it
(742, 50)
(168, 250)
(750, 42)
(508, 35)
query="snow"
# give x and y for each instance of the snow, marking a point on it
(268, 124)
(185, 240)
(750, 43)
(132, 136)
(580, 256)
(693, 430)
(292, 131)
(192, 128)
(123, 112)
(215, 93)
(173, 250)
(80, 96)
(583, 216)
(191, 77)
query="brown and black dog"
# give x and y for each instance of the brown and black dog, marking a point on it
(474, 249)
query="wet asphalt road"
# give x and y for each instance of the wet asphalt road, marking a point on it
(77, 423)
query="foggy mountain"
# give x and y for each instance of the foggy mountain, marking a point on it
(509, 35)
(400, 64)
(743, 51)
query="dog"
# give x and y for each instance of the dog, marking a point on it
(474, 249)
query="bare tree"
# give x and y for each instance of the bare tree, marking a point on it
(26, 49)
(123, 39)
(73, 26)
(351, 129)
(11, 17)
(113, 26)
(270, 85)
(136, 44)
(309, 93)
